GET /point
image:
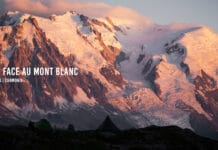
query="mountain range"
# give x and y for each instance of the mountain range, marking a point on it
(132, 69)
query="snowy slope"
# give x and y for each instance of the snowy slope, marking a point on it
(202, 50)
(70, 42)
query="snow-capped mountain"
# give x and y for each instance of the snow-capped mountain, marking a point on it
(132, 69)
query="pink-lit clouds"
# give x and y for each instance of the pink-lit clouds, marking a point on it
(48, 7)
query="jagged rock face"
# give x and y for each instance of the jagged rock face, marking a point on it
(109, 52)
(42, 89)
(137, 73)
(207, 95)
(151, 77)
(140, 58)
(92, 87)
(112, 75)
(121, 57)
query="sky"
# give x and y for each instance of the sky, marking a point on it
(161, 11)
(166, 11)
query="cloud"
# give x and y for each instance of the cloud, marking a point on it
(49, 7)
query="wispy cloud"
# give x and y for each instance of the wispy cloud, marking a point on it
(48, 7)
